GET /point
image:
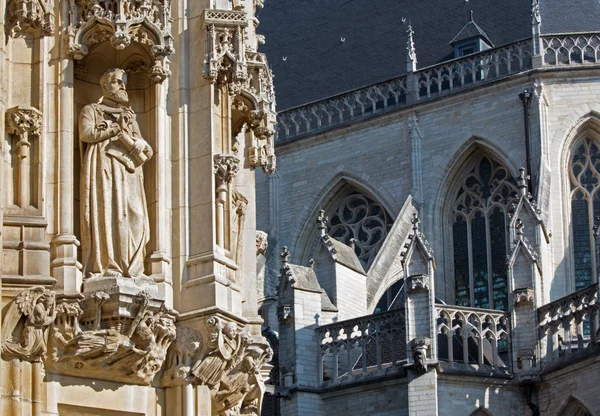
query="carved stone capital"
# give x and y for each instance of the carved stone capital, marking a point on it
(523, 296)
(24, 122)
(226, 167)
(36, 14)
(262, 242)
(417, 282)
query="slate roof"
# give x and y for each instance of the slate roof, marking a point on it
(342, 254)
(471, 30)
(335, 46)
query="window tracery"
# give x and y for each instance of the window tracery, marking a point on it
(584, 175)
(360, 217)
(479, 235)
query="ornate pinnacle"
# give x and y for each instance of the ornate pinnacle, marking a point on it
(322, 223)
(522, 182)
(311, 263)
(411, 53)
(415, 222)
(285, 256)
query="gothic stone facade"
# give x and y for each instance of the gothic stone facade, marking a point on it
(131, 132)
(492, 159)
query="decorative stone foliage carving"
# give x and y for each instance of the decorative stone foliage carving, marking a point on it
(419, 348)
(262, 243)
(522, 296)
(109, 343)
(36, 14)
(417, 282)
(122, 22)
(35, 310)
(226, 167)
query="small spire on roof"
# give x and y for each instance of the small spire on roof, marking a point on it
(411, 53)
(471, 16)
(415, 222)
(522, 182)
(322, 223)
(285, 256)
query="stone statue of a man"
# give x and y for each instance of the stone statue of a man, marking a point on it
(114, 216)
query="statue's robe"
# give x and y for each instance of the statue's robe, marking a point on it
(114, 222)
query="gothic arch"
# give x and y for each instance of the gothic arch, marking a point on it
(580, 146)
(574, 407)
(341, 186)
(461, 165)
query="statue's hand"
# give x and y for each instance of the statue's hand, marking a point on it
(139, 147)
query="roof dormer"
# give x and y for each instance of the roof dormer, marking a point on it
(470, 39)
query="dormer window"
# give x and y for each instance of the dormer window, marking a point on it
(470, 39)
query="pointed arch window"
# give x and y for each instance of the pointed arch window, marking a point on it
(584, 168)
(479, 218)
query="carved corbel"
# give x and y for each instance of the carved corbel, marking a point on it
(523, 296)
(417, 282)
(419, 348)
(262, 243)
(36, 14)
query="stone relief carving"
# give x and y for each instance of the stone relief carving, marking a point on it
(129, 349)
(262, 243)
(115, 227)
(522, 296)
(417, 282)
(25, 324)
(419, 350)
(145, 22)
(36, 14)
(232, 364)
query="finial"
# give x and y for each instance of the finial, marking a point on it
(522, 182)
(519, 227)
(311, 263)
(285, 256)
(415, 221)
(322, 223)
(352, 243)
(471, 15)
(411, 53)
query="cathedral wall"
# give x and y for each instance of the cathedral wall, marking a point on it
(381, 399)
(462, 395)
(578, 381)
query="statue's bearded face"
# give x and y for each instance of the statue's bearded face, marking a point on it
(114, 88)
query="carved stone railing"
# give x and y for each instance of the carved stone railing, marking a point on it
(338, 110)
(474, 69)
(574, 49)
(569, 325)
(362, 347)
(476, 338)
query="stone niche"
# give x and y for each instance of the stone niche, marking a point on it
(147, 98)
(25, 250)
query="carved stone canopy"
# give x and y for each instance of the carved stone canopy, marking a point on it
(36, 14)
(143, 22)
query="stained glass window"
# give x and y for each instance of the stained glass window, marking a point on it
(479, 235)
(585, 205)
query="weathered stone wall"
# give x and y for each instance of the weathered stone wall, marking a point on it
(385, 398)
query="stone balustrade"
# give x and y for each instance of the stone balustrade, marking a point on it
(362, 347)
(569, 325)
(472, 336)
(574, 49)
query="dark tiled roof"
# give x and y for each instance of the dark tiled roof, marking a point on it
(471, 30)
(318, 64)
(342, 254)
(560, 16)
